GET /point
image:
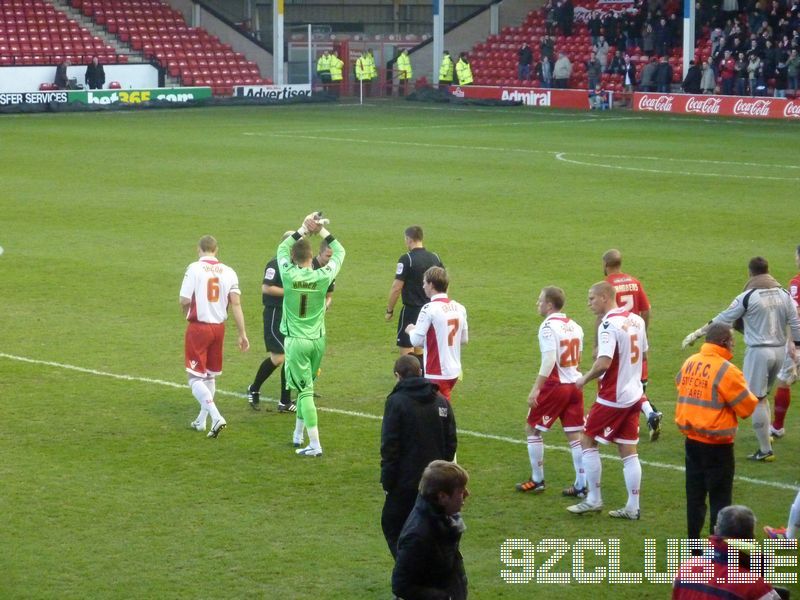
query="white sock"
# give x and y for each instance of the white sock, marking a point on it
(577, 462)
(647, 408)
(201, 418)
(299, 427)
(313, 438)
(200, 391)
(794, 519)
(632, 470)
(594, 471)
(211, 384)
(536, 456)
(761, 418)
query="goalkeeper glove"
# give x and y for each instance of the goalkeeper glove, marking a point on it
(692, 337)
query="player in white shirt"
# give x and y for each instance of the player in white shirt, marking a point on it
(208, 288)
(614, 417)
(441, 329)
(554, 394)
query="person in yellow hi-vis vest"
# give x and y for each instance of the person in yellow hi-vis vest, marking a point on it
(446, 70)
(373, 70)
(324, 68)
(363, 73)
(463, 70)
(337, 70)
(404, 72)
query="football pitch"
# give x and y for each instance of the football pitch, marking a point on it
(106, 493)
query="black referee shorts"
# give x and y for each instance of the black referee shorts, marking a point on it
(273, 338)
(408, 316)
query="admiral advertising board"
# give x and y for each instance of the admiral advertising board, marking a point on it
(722, 106)
(537, 97)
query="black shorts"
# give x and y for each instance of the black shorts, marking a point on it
(408, 316)
(273, 338)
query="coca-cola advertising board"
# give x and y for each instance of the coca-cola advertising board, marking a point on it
(723, 106)
(528, 96)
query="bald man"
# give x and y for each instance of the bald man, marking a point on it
(614, 417)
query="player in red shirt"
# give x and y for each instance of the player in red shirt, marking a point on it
(632, 297)
(788, 373)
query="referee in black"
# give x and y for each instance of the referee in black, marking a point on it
(411, 268)
(272, 299)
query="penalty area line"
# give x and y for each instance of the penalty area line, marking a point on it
(363, 415)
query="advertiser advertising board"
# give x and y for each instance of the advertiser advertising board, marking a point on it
(272, 92)
(578, 99)
(106, 97)
(720, 106)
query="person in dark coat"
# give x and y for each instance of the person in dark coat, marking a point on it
(61, 75)
(418, 427)
(663, 76)
(95, 75)
(691, 83)
(429, 564)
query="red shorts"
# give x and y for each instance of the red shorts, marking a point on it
(445, 386)
(619, 425)
(203, 348)
(558, 401)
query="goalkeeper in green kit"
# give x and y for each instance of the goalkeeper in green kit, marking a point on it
(303, 322)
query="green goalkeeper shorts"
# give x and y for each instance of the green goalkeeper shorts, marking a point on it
(303, 358)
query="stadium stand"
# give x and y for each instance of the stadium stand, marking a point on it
(494, 62)
(33, 32)
(161, 34)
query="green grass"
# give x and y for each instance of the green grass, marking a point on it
(103, 490)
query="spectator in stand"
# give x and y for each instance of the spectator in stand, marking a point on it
(691, 83)
(628, 79)
(717, 38)
(544, 72)
(648, 82)
(631, 31)
(567, 17)
(601, 52)
(61, 75)
(95, 75)
(675, 31)
(664, 76)
(663, 39)
(727, 73)
(562, 71)
(610, 23)
(547, 47)
(617, 64)
(741, 74)
(598, 98)
(595, 26)
(769, 60)
(524, 60)
(593, 71)
(761, 82)
(648, 40)
(753, 65)
(792, 68)
(708, 82)
(551, 20)
(780, 80)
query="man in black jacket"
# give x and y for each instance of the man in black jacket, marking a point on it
(418, 427)
(429, 564)
(691, 83)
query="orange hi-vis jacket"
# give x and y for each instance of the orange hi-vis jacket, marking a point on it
(712, 392)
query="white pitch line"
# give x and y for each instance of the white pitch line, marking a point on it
(372, 417)
(560, 157)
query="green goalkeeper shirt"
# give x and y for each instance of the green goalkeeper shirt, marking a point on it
(304, 290)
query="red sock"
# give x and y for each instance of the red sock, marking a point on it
(782, 398)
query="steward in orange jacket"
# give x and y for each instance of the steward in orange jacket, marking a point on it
(712, 393)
